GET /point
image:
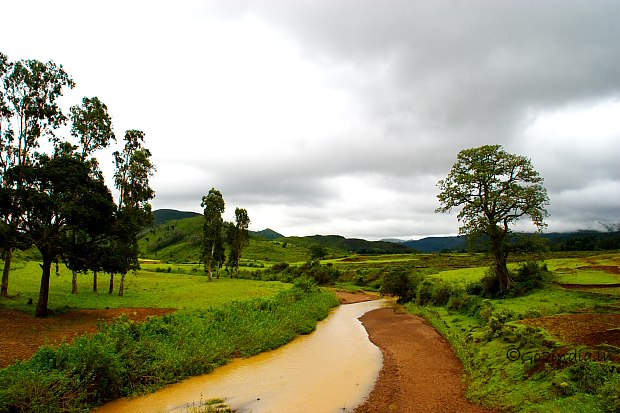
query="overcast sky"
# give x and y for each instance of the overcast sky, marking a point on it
(340, 116)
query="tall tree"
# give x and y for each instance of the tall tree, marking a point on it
(133, 171)
(212, 240)
(238, 237)
(92, 127)
(28, 111)
(495, 190)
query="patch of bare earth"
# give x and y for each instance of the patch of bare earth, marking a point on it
(420, 374)
(352, 298)
(21, 335)
(586, 329)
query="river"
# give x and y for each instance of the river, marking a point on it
(331, 370)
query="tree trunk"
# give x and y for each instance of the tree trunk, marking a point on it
(6, 272)
(44, 292)
(111, 283)
(121, 289)
(95, 286)
(74, 286)
(501, 269)
(210, 272)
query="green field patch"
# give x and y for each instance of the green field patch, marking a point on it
(586, 276)
(144, 289)
(550, 301)
(614, 291)
(462, 276)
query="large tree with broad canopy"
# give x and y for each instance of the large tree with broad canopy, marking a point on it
(495, 190)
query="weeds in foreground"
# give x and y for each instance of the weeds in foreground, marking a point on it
(209, 406)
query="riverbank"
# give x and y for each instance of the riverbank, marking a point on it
(421, 373)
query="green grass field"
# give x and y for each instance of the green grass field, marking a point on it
(148, 289)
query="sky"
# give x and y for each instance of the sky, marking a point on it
(340, 116)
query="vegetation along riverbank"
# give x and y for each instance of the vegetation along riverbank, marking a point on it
(126, 358)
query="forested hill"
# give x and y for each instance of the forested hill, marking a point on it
(558, 241)
(361, 246)
(268, 234)
(164, 215)
(436, 244)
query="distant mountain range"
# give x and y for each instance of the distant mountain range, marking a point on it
(391, 245)
(459, 243)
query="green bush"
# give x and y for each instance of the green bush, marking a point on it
(305, 283)
(401, 283)
(590, 376)
(530, 276)
(424, 292)
(610, 391)
(441, 293)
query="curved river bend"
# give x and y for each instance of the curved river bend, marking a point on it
(331, 370)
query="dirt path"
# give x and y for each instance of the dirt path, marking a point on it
(420, 373)
(21, 334)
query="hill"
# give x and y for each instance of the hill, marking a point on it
(436, 244)
(587, 240)
(267, 234)
(164, 215)
(361, 246)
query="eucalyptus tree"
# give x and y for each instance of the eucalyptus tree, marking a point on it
(238, 238)
(133, 172)
(212, 240)
(495, 190)
(28, 112)
(91, 125)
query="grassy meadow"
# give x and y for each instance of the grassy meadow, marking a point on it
(172, 286)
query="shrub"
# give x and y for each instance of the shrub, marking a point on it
(530, 276)
(441, 292)
(424, 292)
(400, 283)
(491, 287)
(610, 391)
(305, 283)
(461, 302)
(590, 376)
(280, 267)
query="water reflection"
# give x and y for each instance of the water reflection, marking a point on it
(330, 370)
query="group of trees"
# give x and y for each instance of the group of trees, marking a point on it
(216, 233)
(52, 194)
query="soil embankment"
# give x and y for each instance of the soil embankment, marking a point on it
(421, 372)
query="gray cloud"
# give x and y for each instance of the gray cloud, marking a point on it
(341, 116)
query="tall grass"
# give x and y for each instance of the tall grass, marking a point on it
(127, 358)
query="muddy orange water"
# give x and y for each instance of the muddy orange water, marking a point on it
(331, 370)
